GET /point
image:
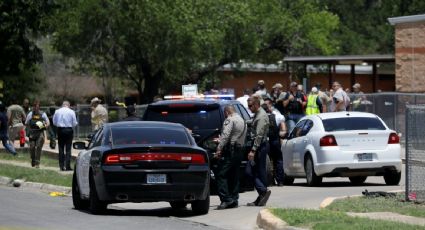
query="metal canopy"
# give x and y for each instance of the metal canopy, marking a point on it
(345, 59)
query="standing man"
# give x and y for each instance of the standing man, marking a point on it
(65, 120)
(340, 99)
(229, 152)
(131, 114)
(36, 122)
(256, 167)
(99, 115)
(314, 105)
(294, 103)
(324, 98)
(3, 130)
(16, 116)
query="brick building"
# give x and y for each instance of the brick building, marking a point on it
(409, 53)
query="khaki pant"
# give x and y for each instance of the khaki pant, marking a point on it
(35, 149)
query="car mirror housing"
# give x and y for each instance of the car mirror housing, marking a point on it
(79, 145)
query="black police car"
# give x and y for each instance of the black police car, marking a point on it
(205, 119)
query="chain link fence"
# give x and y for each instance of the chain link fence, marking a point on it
(415, 152)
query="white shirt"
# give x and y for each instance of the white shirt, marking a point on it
(65, 118)
(278, 116)
(244, 101)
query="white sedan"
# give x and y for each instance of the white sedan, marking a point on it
(342, 144)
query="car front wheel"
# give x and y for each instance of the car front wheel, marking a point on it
(312, 178)
(392, 178)
(79, 203)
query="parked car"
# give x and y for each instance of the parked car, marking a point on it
(141, 161)
(342, 144)
(205, 119)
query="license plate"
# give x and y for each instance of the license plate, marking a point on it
(156, 179)
(365, 157)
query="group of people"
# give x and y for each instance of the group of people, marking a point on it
(33, 123)
(274, 115)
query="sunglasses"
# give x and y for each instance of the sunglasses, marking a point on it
(249, 106)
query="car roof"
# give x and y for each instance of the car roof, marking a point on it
(198, 102)
(324, 116)
(144, 124)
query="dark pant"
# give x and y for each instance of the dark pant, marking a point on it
(9, 147)
(257, 170)
(227, 174)
(277, 159)
(65, 136)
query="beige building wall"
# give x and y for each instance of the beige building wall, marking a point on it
(410, 56)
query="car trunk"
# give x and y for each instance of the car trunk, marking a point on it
(361, 140)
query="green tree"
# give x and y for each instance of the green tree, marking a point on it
(160, 44)
(20, 23)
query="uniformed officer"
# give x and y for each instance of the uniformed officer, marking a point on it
(36, 122)
(256, 168)
(229, 153)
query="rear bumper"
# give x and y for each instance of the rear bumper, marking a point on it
(131, 185)
(333, 162)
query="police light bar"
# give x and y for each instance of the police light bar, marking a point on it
(201, 96)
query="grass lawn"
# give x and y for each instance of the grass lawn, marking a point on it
(379, 204)
(24, 156)
(35, 175)
(329, 220)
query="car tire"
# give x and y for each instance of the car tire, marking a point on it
(357, 180)
(178, 204)
(201, 207)
(288, 180)
(96, 206)
(79, 203)
(392, 178)
(269, 171)
(312, 178)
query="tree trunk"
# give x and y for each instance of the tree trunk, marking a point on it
(151, 87)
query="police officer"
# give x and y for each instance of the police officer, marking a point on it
(314, 104)
(36, 122)
(229, 152)
(256, 168)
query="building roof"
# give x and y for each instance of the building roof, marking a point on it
(342, 59)
(407, 19)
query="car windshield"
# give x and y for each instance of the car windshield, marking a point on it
(193, 118)
(143, 135)
(353, 123)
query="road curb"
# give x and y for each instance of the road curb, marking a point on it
(329, 200)
(267, 221)
(40, 186)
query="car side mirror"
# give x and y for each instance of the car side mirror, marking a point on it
(79, 145)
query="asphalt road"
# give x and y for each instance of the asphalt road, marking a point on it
(34, 209)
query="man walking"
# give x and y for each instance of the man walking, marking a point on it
(256, 168)
(36, 122)
(228, 152)
(16, 116)
(64, 119)
(340, 99)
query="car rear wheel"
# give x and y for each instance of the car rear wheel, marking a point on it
(392, 178)
(96, 206)
(79, 203)
(201, 207)
(357, 180)
(178, 204)
(312, 178)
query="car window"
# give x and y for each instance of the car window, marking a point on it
(307, 127)
(192, 118)
(242, 111)
(149, 135)
(94, 138)
(353, 123)
(99, 138)
(296, 132)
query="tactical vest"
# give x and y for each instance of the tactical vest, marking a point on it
(34, 118)
(312, 107)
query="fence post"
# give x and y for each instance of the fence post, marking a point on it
(407, 152)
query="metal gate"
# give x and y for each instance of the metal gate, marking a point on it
(415, 153)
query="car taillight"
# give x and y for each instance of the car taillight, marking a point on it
(128, 158)
(394, 139)
(328, 140)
